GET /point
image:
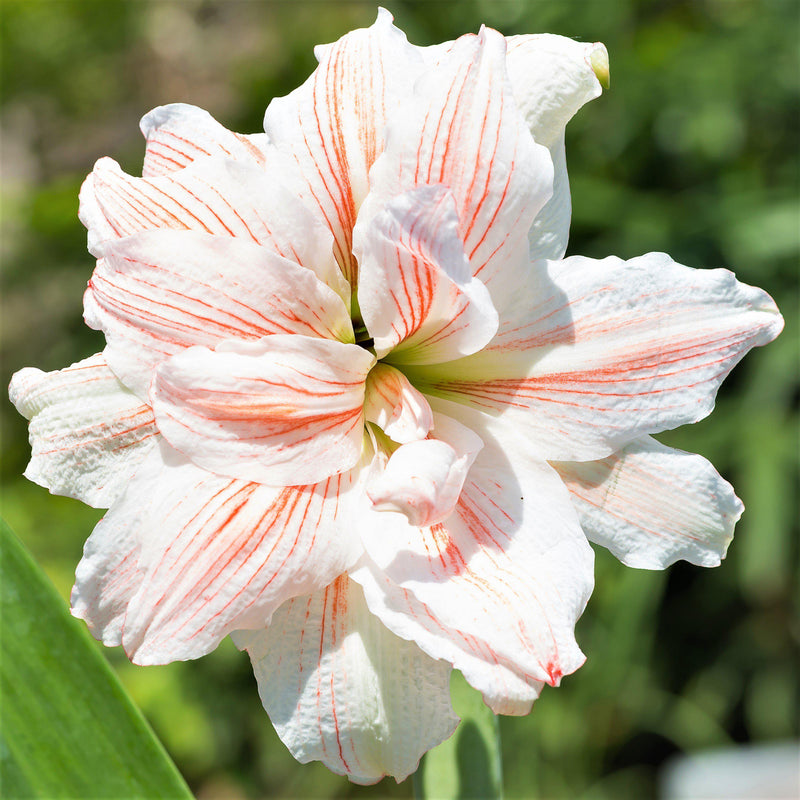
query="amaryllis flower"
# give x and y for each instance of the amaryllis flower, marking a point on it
(357, 410)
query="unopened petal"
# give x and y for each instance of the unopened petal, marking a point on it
(652, 505)
(395, 406)
(284, 410)
(88, 432)
(368, 704)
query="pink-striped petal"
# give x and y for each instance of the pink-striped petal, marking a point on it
(610, 351)
(332, 126)
(416, 293)
(461, 128)
(214, 555)
(284, 410)
(342, 689)
(179, 134)
(552, 77)
(422, 480)
(395, 406)
(652, 505)
(510, 570)
(88, 433)
(159, 292)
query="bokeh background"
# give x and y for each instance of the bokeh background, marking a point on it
(693, 151)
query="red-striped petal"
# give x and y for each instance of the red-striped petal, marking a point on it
(395, 406)
(159, 292)
(461, 128)
(416, 293)
(332, 126)
(652, 505)
(284, 410)
(609, 351)
(213, 555)
(342, 689)
(88, 432)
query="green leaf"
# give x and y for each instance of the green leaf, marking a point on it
(69, 730)
(469, 764)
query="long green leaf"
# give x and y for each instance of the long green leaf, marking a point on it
(69, 730)
(469, 764)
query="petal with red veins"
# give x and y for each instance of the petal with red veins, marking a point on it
(461, 128)
(342, 689)
(216, 196)
(282, 411)
(159, 292)
(422, 480)
(416, 293)
(395, 406)
(215, 554)
(609, 351)
(178, 134)
(332, 125)
(88, 432)
(509, 570)
(652, 505)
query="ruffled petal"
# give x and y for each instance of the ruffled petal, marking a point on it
(416, 293)
(461, 128)
(88, 433)
(178, 134)
(332, 125)
(422, 480)
(342, 689)
(159, 292)
(395, 406)
(509, 570)
(214, 555)
(610, 350)
(283, 410)
(652, 505)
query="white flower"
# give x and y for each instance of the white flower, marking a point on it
(355, 409)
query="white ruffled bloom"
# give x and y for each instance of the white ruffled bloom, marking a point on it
(355, 408)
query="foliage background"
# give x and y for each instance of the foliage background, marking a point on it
(693, 151)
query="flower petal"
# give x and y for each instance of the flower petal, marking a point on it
(215, 555)
(422, 480)
(283, 410)
(217, 196)
(552, 77)
(342, 689)
(652, 505)
(159, 292)
(178, 134)
(395, 406)
(416, 293)
(333, 124)
(509, 570)
(88, 433)
(611, 351)
(461, 128)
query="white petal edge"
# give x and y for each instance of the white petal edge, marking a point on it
(88, 433)
(652, 505)
(342, 689)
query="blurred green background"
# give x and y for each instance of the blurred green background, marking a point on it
(693, 151)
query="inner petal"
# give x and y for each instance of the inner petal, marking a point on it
(395, 406)
(285, 410)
